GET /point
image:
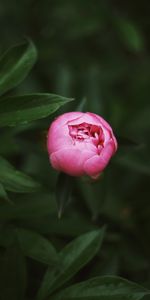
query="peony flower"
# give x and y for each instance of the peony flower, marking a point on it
(80, 144)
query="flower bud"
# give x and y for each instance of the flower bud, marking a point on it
(80, 144)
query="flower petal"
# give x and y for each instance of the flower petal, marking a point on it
(96, 164)
(108, 132)
(63, 119)
(100, 120)
(58, 134)
(91, 118)
(70, 160)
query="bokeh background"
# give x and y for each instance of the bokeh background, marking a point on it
(97, 52)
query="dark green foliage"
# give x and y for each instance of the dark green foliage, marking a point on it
(27, 108)
(14, 180)
(98, 53)
(15, 65)
(105, 288)
(71, 259)
(63, 192)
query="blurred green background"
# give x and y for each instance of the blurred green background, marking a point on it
(98, 51)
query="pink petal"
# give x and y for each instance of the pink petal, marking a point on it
(91, 118)
(58, 138)
(58, 134)
(100, 120)
(64, 118)
(96, 164)
(70, 161)
(85, 118)
(108, 133)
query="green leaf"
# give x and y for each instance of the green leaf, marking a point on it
(15, 65)
(23, 109)
(36, 246)
(103, 288)
(63, 192)
(3, 194)
(73, 258)
(31, 243)
(12, 275)
(14, 180)
(130, 34)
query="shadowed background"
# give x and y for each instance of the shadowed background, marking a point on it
(97, 52)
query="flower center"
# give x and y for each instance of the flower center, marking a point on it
(87, 133)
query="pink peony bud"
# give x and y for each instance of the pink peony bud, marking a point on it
(80, 144)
